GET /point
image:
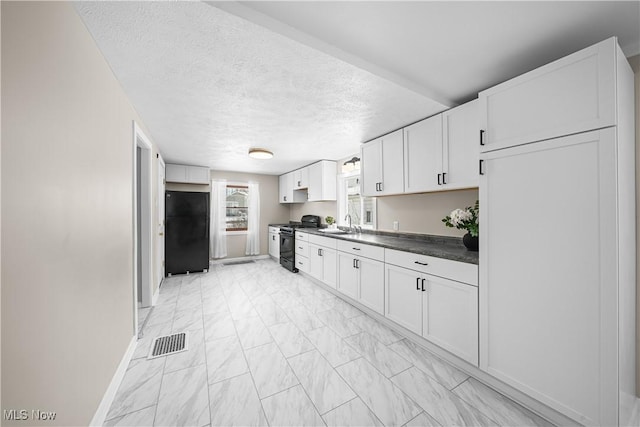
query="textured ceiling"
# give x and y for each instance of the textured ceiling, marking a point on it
(450, 50)
(210, 85)
(312, 80)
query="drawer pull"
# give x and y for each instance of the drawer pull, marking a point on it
(300, 247)
(356, 249)
(420, 263)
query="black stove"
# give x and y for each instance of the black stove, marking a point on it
(288, 240)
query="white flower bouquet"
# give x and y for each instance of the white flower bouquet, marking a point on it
(464, 219)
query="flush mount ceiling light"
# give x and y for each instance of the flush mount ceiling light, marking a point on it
(260, 153)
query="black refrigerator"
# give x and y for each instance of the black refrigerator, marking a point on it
(186, 232)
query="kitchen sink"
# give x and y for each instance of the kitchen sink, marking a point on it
(333, 231)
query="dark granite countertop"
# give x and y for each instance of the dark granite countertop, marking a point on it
(424, 244)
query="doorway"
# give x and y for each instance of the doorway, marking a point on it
(142, 224)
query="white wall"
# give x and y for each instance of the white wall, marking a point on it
(67, 214)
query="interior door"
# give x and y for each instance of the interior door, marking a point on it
(161, 223)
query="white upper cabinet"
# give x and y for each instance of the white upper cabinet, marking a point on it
(301, 178)
(383, 164)
(187, 174)
(423, 155)
(460, 146)
(287, 194)
(436, 154)
(371, 164)
(322, 178)
(571, 95)
(313, 183)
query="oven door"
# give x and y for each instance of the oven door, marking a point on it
(287, 250)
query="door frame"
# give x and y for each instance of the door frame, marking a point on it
(160, 254)
(141, 141)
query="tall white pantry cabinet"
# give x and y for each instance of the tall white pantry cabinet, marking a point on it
(557, 253)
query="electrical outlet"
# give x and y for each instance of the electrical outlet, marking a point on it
(396, 226)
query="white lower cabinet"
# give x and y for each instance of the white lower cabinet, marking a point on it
(450, 316)
(403, 297)
(362, 279)
(274, 242)
(348, 276)
(443, 311)
(371, 283)
(323, 264)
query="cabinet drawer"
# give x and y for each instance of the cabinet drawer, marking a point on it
(368, 251)
(302, 236)
(302, 248)
(302, 263)
(327, 242)
(454, 270)
(274, 230)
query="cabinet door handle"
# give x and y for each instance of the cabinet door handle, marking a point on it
(357, 263)
(421, 263)
(422, 285)
(417, 283)
(444, 174)
(285, 198)
(481, 136)
(439, 179)
(480, 167)
(381, 186)
(353, 264)
(273, 237)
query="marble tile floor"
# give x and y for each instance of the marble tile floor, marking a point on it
(272, 348)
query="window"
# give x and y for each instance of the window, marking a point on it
(361, 208)
(237, 207)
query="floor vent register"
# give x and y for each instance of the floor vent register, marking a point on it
(169, 344)
(238, 262)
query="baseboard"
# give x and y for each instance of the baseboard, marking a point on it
(243, 258)
(110, 394)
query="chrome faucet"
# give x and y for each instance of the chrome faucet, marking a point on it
(349, 218)
(358, 229)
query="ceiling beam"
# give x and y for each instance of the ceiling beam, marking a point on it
(259, 18)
